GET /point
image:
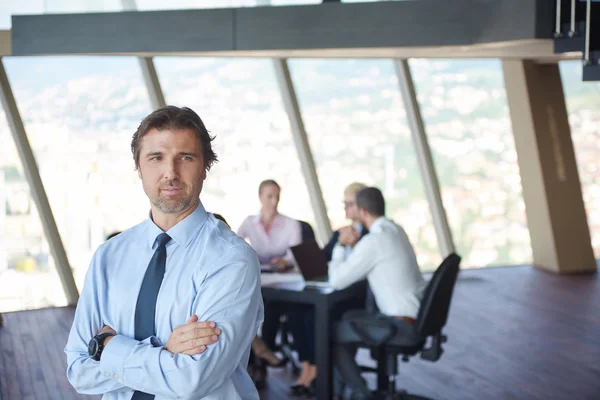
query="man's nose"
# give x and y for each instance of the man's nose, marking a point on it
(170, 171)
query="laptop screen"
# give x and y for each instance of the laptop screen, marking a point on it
(311, 260)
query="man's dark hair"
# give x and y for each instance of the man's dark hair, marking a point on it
(112, 235)
(172, 117)
(371, 200)
(221, 218)
(267, 182)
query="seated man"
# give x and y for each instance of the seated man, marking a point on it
(301, 319)
(387, 260)
(354, 231)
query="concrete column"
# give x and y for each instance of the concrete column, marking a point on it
(560, 236)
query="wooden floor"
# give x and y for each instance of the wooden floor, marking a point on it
(513, 333)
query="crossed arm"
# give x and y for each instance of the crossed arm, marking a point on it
(181, 368)
(189, 339)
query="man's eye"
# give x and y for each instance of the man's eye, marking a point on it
(186, 158)
(155, 158)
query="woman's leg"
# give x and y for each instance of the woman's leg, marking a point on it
(297, 315)
(262, 351)
(302, 326)
(273, 312)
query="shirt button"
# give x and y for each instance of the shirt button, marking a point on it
(116, 376)
(107, 374)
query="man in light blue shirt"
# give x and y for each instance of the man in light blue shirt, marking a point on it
(209, 275)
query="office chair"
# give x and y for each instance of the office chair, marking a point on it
(307, 231)
(432, 317)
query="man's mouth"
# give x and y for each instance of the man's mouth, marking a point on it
(171, 190)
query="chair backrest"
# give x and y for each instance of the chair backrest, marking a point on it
(435, 304)
(307, 231)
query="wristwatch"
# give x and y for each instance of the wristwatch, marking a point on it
(96, 345)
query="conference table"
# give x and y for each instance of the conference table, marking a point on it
(325, 301)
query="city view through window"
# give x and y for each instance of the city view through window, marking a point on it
(80, 113)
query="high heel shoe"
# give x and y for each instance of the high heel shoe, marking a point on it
(310, 391)
(262, 351)
(297, 390)
(303, 391)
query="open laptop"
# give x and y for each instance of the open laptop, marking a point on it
(312, 263)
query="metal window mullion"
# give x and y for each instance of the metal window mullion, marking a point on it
(424, 158)
(36, 186)
(290, 102)
(157, 98)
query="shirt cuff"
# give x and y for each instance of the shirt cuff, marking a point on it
(339, 252)
(112, 360)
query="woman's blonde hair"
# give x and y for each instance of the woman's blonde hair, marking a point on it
(354, 188)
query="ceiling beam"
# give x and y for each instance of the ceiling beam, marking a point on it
(334, 28)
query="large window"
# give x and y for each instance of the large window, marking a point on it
(583, 104)
(464, 107)
(28, 277)
(356, 123)
(241, 105)
(80, 114)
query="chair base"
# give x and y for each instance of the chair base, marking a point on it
(398, 395)
(288, 355)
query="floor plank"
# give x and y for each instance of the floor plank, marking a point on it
(513, 333)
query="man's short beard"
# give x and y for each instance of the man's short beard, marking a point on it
(167, 208)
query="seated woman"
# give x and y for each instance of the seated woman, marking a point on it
(271, 234)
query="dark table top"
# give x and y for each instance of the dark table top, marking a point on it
(297, 292)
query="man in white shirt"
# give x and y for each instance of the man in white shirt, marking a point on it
(387, 260)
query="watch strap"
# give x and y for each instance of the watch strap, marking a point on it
(100, 340)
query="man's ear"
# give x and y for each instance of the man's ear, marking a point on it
(139, 171)
(363, 213)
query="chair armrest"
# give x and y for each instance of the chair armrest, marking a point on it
(434, 352)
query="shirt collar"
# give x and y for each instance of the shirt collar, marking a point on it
(183, 232)
(275, 220)
(376, 226)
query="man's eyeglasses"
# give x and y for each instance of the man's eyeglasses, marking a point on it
(348, 204)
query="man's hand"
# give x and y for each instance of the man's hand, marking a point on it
(107, 328)
(193, 337)
(280, 264)
(349, 236)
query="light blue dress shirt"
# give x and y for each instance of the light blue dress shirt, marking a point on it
(210, 272)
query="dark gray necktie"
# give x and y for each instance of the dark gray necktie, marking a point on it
(146, 302)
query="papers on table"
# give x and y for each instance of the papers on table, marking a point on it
(272, 278)
(267, 268)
